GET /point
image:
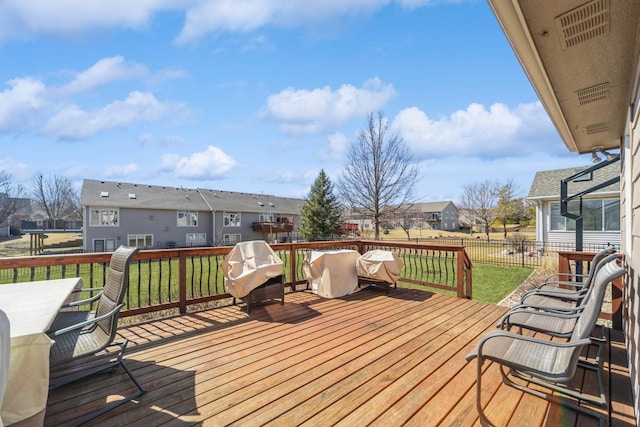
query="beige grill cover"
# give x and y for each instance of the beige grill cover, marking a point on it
(380, 265)
(249, 265)
(332, 274)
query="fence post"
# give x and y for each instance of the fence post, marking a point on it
(522, 250)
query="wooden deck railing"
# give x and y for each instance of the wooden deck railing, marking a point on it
(567, 261)
(166, 279)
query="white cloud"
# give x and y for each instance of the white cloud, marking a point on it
(305, 111)
(479, 132)
(338, 145)
(20, 172)
(103, 72)
(248, 15)
(209, 164)
(21, 19)
(121, 171)
(25, 19)
(22, 103)
(75, 123)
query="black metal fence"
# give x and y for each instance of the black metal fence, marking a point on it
(510, 253)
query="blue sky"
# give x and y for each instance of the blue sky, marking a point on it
(258, 95)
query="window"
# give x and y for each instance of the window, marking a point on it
(266, 217)
(597, 215)
(231, 239)
(104, 245)
(196, 239)
(187, 219)
(232, 219)
(104, 217)
(140, 240)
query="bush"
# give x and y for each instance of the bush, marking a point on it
(519, 243)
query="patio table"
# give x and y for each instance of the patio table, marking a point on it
(332, 274)
(31, 307)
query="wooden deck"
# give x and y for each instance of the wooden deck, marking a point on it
(366, 359)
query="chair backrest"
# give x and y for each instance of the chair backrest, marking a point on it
(606, 273)
(597, 259)
(595, 268)
(115, 287)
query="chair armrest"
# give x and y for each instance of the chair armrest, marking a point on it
(567, 295)
(88, 322)
(561, 315)
(477, 352)
(555, 277)
(83, 301)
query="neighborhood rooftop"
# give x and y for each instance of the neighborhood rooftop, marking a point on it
(120, 194)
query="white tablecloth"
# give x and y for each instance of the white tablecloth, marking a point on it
(30, 307)
(332, 274)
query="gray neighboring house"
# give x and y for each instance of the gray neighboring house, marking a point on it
(436, 215)
(154, 216)
(601, 209)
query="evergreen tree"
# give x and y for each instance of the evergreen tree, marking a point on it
(321, 213)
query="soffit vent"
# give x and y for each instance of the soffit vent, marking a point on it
(597, 128)
(592, 94)
(584, 22)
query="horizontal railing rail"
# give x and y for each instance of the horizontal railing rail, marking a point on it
(509, 253)
(174, 279)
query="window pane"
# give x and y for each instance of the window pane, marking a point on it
(557, 221)
(611, 215)
(592, 215)
(95, 219)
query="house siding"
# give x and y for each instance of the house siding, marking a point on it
(153, 210)
(630, 223)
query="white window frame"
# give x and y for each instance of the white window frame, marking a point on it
(231, 239)
(196, 239)
(266, 217)
(574, 206)
(232, 219)
(99, 217)
(186, 218)
(140, 238)
(109, 245)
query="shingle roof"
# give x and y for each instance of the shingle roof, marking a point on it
(433, 206)
(143, 196)
(546, 184)
(247, 202)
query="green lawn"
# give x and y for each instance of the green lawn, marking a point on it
(491, 283)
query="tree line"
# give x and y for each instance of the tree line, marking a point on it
(54, 195)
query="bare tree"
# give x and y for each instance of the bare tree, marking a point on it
(56, 195)
(478, 201)
(379, 176)
(11, 200)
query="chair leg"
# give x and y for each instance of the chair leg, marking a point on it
(118, 361)
(484, 421)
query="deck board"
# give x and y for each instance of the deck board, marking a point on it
(365, 359)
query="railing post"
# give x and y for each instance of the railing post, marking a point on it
(563, 266)
(292, 267)
(182, 281)
(460, 278)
